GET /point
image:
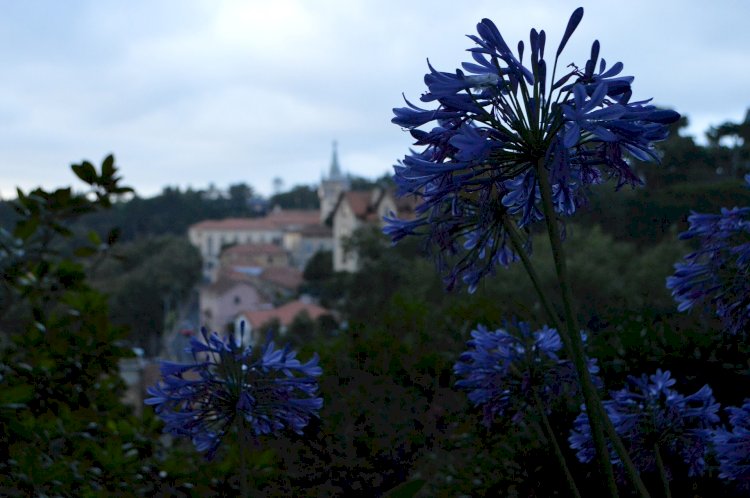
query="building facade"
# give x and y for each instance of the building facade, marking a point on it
(213, 236)
(353, 211)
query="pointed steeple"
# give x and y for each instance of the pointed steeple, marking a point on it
(335, 171)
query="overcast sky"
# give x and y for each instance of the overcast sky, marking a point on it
(191, 92)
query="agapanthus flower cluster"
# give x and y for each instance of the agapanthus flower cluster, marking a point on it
(503, 371)
(733, 447)
(228, 384)
(496, 122)
(718, 272)
(649, 414)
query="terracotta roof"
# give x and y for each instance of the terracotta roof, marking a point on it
(275, 220)
(295, 216)
(316, 231)
(285, 313)
(283, 276)
(228, 279)
(365, 204)
(359, 203)
(226, 282)
(253, 249)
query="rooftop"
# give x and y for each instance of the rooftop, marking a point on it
(275, 220)
(285, 313)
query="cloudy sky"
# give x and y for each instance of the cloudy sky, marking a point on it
(192, 92)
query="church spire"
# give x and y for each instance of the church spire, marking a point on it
(335, 171)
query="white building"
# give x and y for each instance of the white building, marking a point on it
(304, 243)
(211, 236)
(355, 210)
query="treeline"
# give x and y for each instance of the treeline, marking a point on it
(173, 210)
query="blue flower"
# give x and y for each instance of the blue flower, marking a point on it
(718, 273)
(501, 369)
(227, 384)
(650, 414)
(495, 121)
(733, 447)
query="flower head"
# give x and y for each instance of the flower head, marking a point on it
(497, 121)
(501, 369)
(733, 447)
(718, 273)
(227, 384)
(653, 415)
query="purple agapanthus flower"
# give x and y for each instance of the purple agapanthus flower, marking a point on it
(651, 413)
(228, 384)
(718, 272)
(733, 447)
(501, 369)
(496, 120)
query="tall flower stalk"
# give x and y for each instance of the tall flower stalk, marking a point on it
(230, 387)
(656, 421)
(512, 144)
(509, 372)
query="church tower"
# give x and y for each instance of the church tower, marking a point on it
(331, 186)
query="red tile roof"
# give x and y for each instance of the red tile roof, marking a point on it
(285, 313)
(365, 204)
(283, 276)
(229, 279)
(274, 221)
(359, 203)
(224, 283)
(320, 231)
(295, 216)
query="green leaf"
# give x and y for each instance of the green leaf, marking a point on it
(85, 171)
(26, 228)
(108, 167)
(16, 396)
(85, 251)
(94, 238)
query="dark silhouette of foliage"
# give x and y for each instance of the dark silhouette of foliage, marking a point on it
(299, 197)
(64, 430)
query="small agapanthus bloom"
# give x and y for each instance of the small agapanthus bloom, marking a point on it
(227, 384)
(733, 447)
(501, 369)
(718, 273)
(653, 415)
(496, 121)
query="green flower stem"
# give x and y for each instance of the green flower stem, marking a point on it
(244, 441)
(517, 243)
(550, 434)
(596, 411)
(662, 471)
(566, 338)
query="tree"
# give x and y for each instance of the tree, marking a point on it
(300, 197)
(146, 280)
(319, 267)
(63, 428)
(739, 136)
